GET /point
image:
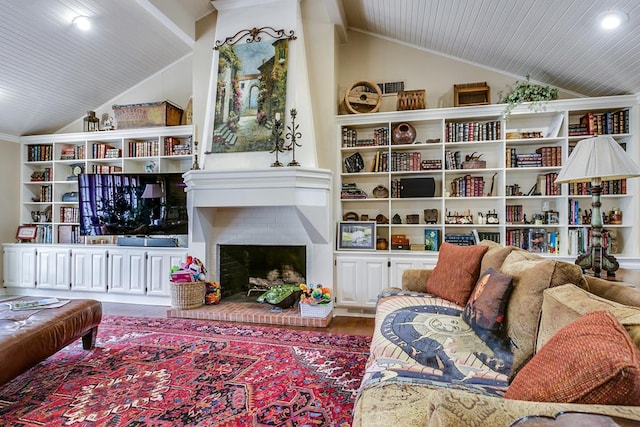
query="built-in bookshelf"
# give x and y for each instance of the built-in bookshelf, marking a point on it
(51, 163)
(484, 176)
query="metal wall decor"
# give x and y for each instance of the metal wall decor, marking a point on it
(293, 135)
(253, 35)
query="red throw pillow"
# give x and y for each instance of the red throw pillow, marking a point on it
(456, 272)
(592, 361)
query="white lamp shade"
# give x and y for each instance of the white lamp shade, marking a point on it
(152, 191)
(598, 157)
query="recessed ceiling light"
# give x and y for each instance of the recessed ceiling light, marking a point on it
(82, 22)
(613, 19)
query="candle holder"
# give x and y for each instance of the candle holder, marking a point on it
(278, 141)
(195, 165)
(293, 135)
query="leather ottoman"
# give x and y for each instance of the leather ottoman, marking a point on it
(26, 341)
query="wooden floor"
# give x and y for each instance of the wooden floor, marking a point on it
(339, 324)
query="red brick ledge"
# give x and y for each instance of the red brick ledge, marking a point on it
(248, 312)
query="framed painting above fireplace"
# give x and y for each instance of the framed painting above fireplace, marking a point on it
(250, 94)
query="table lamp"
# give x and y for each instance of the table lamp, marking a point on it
(594, 160)
(154, 192)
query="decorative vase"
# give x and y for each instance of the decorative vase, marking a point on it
(380, 192)
(382, 243)
(403, 133)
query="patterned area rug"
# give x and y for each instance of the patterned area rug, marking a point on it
(178, 372)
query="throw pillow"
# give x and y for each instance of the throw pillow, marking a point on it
(495, 255)
(486, 305)
(564, 304)
(590, 361)
(532, 274)
(456, 272)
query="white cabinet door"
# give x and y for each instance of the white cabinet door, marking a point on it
(127, 271)
(89, 272)
(53, 268)
(375, 277)
(19, 266)
(359, 280)
(399, 265)
(159, 265)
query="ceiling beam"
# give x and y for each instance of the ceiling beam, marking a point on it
(335, 10)
(164, 19)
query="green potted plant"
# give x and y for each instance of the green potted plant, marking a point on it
(525, 91)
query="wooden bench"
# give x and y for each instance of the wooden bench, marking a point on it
(26, 341)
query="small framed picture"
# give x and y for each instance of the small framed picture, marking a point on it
(360, 235)
(26, 232)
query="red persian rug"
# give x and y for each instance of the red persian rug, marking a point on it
(179, 372)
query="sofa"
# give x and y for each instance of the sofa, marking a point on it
(494, 334)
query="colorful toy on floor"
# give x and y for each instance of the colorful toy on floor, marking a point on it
(213, 293)
(315, 294)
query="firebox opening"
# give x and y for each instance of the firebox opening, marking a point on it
(247, 271)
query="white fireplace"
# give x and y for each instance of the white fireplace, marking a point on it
(274, 206)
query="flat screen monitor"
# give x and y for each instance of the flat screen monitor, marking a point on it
(132, 204)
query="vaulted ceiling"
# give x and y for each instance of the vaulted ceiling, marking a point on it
(557, 42)
(50, 74)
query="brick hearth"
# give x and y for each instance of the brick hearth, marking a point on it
(249, 312)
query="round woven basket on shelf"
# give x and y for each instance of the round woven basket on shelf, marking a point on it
(187, 295)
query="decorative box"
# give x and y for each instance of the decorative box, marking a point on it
(474, 164)
(151, 114)
(413, 219)
(316, 310)
(477, 93)
(411, 100)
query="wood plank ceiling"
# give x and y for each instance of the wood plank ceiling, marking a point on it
(557, 42)
(50, 75)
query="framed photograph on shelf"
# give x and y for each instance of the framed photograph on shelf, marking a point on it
(26, 232)
(357, 235)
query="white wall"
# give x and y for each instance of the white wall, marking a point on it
(365, 57)
(10, 190)
(321, 64)
(174, 83)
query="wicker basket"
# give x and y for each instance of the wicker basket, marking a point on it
(187, 295)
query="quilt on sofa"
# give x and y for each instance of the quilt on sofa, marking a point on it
(422, 339)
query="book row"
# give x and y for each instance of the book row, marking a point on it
(69, 214)
(467, 186)
(580, 240)
(472, 131)
(350, 138)
(69, 234)
(610, 122)
(614, 186)
(77, 152)
(39, 153)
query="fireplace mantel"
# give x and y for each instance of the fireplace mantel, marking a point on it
(262, 187)
(301, 196)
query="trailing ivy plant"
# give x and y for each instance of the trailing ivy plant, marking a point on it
(525, 91)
